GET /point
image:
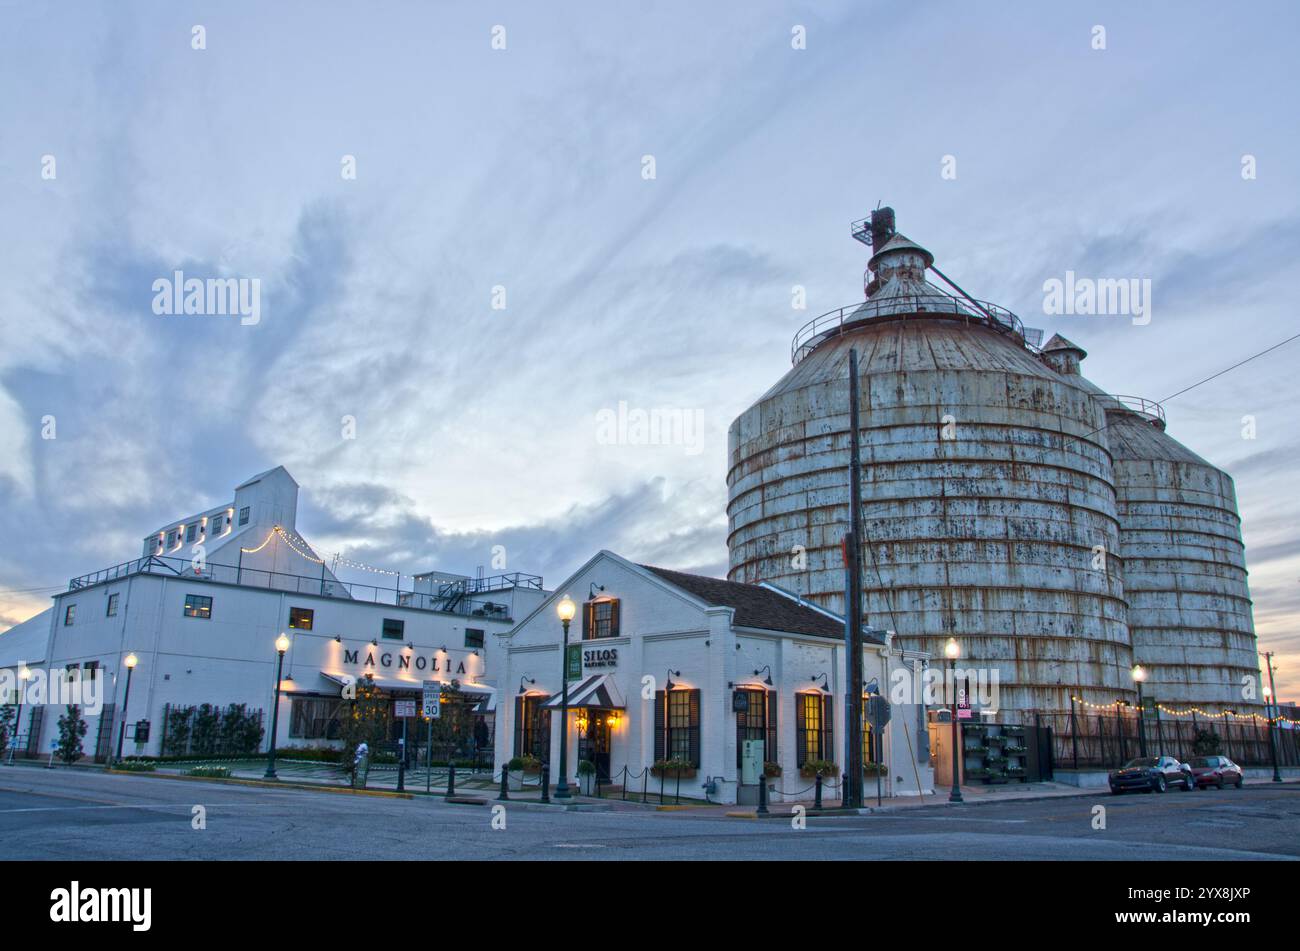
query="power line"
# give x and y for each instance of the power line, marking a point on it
(1212, 376)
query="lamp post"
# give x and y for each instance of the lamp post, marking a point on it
(24, 675)
(566, 609)
(281, 645)
(131, 661)
(1139, 678)
(952, 650)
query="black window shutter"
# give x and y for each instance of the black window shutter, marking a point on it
(801, 731)
(660, 739)
(695, 728)
(613, 618)
(586, 620)
(519, 726)
(770, 751)
(828, 727)
(544, 729)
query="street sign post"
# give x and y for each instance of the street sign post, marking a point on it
(431, 710)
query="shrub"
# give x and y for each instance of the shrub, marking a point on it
(819, 767)
(1206, 743)
(209, 772)
(586, 767)
(872, 769)
(772, 769)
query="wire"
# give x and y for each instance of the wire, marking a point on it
(1212, 376)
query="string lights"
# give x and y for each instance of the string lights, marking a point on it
(1190, 711)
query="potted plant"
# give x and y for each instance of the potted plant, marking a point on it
(674, 768)
(587, 777)
(824, 768)
(772, 770)
(515, 772)
(875, 769)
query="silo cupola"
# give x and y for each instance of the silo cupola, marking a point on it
(1063, 356)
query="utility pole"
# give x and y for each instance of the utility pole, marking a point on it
(851, 796)
(1272, 718)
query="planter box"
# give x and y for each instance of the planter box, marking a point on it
(587, 783)
(672, 774)
(514, 781)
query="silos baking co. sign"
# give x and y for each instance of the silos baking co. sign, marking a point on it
(597, 658)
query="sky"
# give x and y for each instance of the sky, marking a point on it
(477, 228)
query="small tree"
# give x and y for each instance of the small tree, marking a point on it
(206, 730)
(72, 728)
(363, 718)
(6, 726)
(1206, 743)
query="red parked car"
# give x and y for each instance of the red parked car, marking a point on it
(1215, 771)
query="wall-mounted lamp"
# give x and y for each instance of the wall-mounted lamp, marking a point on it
(871, 687)
(768, 679)
(591, 592)
(374, 642)
(825, 682)
(525, 679)
(613, 719)
(337, 639)
(671, 674)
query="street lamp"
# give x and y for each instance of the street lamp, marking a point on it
(24, 675)
(952, 650)
(566, 609)
(1273, 713)
(281, 645)
(130, 661)
(1139, 677)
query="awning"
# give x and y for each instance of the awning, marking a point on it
(486, 696)
(597, 692)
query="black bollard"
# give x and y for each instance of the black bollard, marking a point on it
(762, 795)
(817, 795)
(546, 786)
(451, 778)
(505, 784)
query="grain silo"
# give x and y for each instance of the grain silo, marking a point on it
(1189, 607)
(986, 486)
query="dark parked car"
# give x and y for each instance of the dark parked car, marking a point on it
(1151, 774)
(1215, 771)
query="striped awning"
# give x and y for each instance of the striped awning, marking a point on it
(597, 692)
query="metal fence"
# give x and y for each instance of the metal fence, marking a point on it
(1107, 740)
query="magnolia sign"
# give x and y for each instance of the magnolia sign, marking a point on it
(407, 661)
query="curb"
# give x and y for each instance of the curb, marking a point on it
(266, 784)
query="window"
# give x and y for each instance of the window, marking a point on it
(111, 611)
(532, 727)
(190, 532)
(196, 605)
(677, 725)
(70, 672)
(314, 718)
(69, 615)
(757, 722)
(300, 618)
(171, 538)
(243, 515)
(90, 669)
(600, 619)
(214, 526)
(393, 629)
(473, 637)
(814, 732)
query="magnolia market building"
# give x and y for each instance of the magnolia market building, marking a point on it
(724, 680)
(202, 634)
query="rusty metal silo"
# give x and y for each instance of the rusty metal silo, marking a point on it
(1189, 606)
(986, 485)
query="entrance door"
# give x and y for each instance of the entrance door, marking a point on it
(593, 744)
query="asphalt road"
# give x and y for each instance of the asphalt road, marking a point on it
(74, 815)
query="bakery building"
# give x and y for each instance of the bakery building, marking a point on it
(721, 676)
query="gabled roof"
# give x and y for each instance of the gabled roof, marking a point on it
(262, 475)
(758, 606)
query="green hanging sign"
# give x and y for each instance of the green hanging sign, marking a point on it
(573, 662)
